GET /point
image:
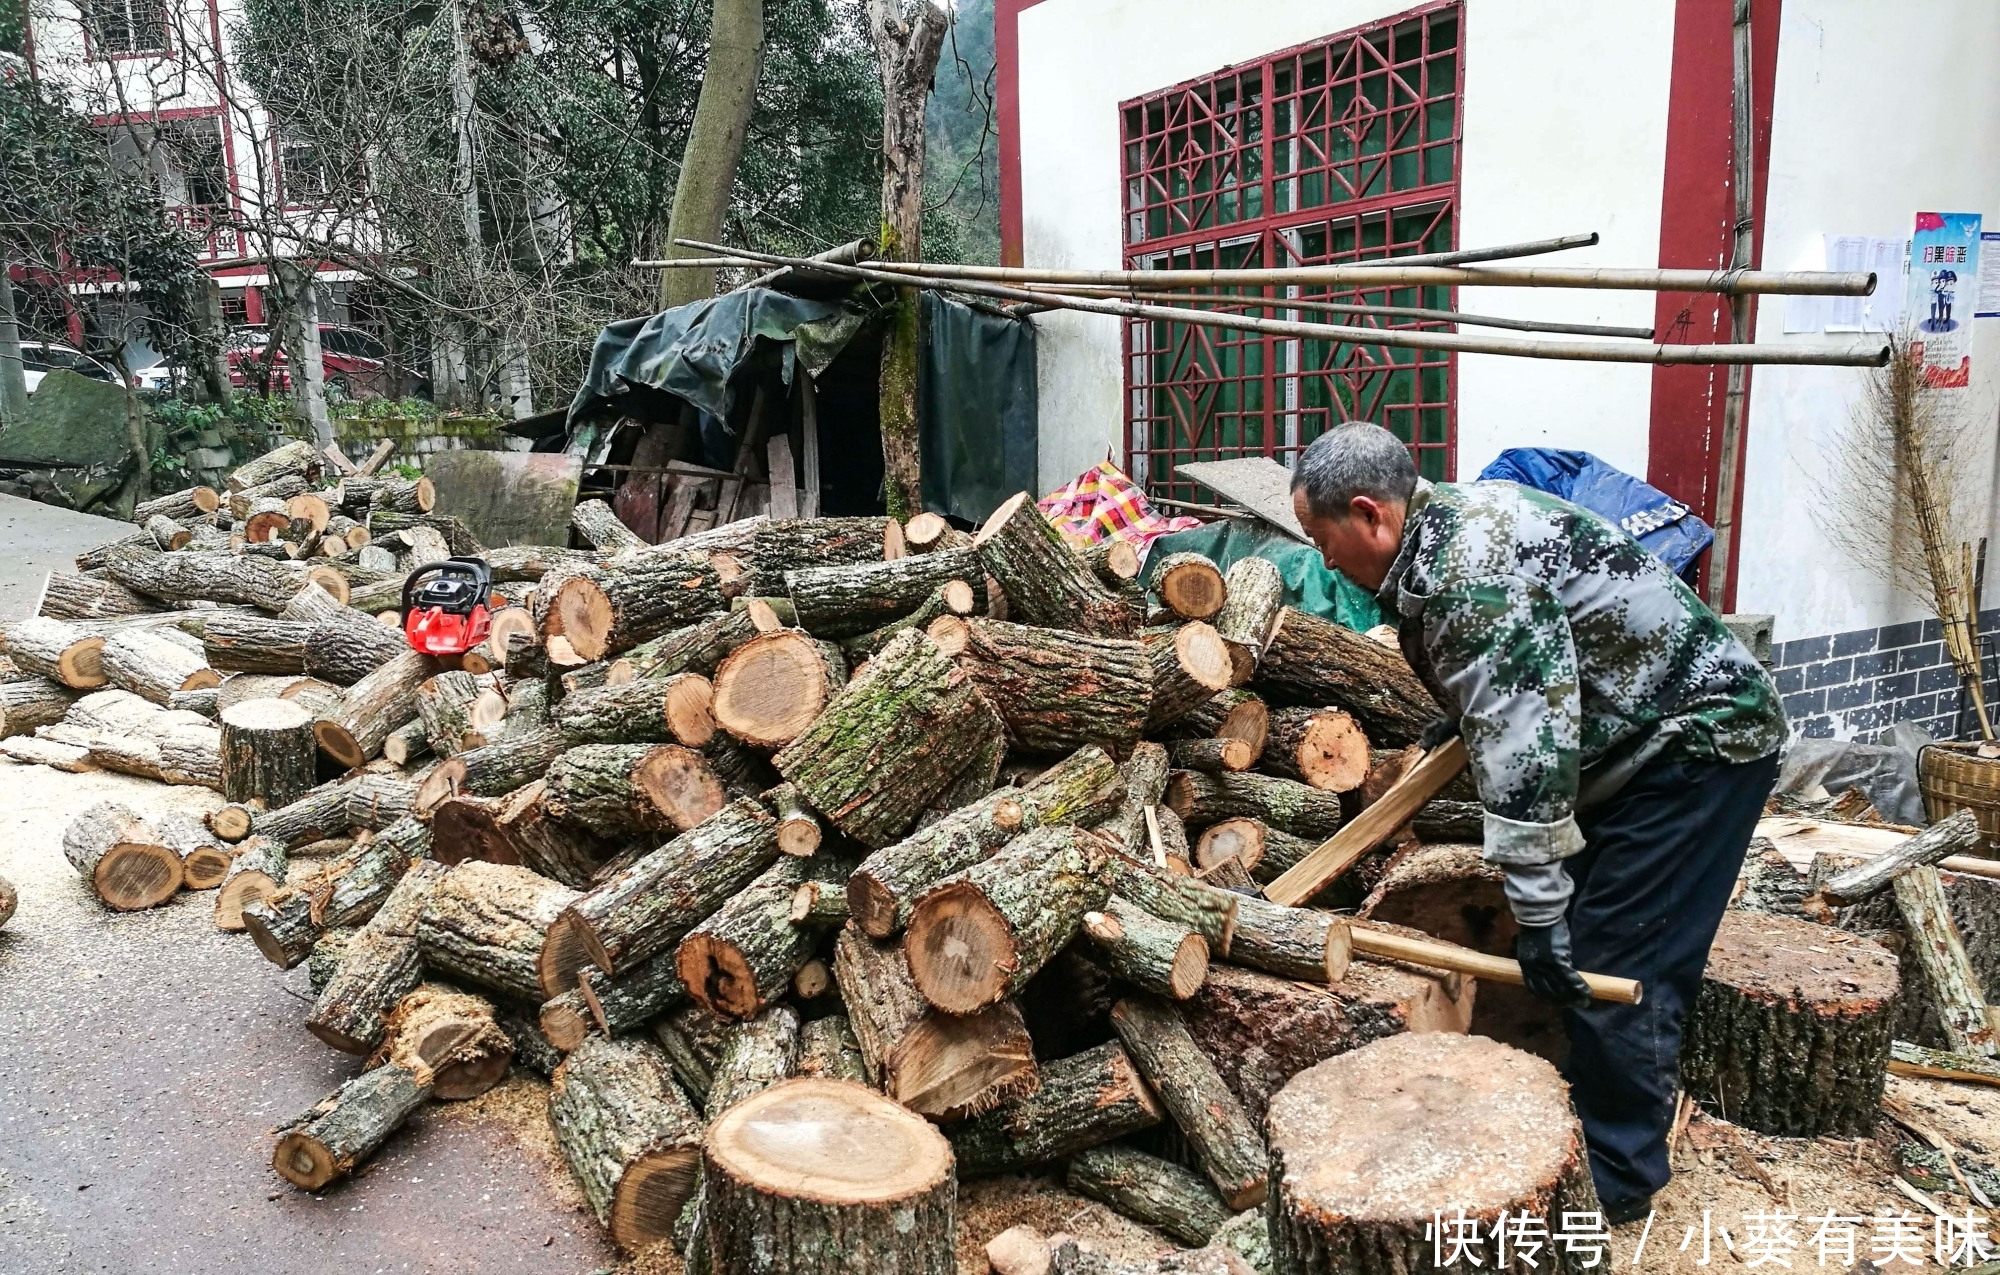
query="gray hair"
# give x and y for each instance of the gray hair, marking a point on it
(1355, 459)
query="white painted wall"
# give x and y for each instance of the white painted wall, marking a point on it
(1565, 130)
(1876, 117)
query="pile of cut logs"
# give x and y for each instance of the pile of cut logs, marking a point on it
(825, 862)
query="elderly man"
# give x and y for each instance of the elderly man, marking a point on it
(1622, 740)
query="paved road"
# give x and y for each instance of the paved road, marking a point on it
(37, 539)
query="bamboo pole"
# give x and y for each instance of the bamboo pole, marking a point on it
(1735, 399)
(1589, 352)
(1343, 307)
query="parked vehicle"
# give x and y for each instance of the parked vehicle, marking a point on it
(39, 358)
(355, 362)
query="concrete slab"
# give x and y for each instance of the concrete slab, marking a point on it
(36, 539)
(144, 1060)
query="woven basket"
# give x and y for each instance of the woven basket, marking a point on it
(1954, 777)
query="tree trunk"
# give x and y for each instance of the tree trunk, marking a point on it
(1046, 582)
(121, 856)
(1154, 955)
(32, 701)
(327, 1142)
(883, 890)
(650, 907)
(629, 791)
(267, 752)
(1058, 691)
(848, 601)
(448, 1038)
(619, 603)
(878, 754)
(1475, 1126)
(975, 938)
(714, 144)
(783, 1189)
(69, 595)
(1149, 1190)
(58, 651)
(944, 1066)
(673, 709)
(771, 688)
(1084, 1100)
(373, 707)
(1223, 1139)
(1189, 669)
(1284, 804)
(1189, 584)
(486, 923)
(629, 1136)
(1315, 661)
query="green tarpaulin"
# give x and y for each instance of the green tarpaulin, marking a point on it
(975, 408)
(1309, 586)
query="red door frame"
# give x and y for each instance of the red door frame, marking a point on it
(1007, 54)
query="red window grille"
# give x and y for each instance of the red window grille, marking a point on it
(1341, 150)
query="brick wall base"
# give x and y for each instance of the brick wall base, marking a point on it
(1857, 684)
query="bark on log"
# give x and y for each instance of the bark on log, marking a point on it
(449, 1039)
(673, 709)
(1786, 1041)
(68, 595)
(256, 643)
(379, 966)
(257, 872)
(828, 1050)
(1211, 756)
(1284, 804)
(1315, 661)
(298, 457)
(629, 791)
(697, 648)
(756, 1054)
(190, 505)
(565, 1020)
(694, 1040)
(1145, 774)
(327, 1142)
(1957, 834)
(282, 927)
(615, 605)
(1254, 595)
(1935, 942)
(1154, 955)
(189, 576)
(1046, 582)
(1149, 1190)
(1906, 1059)
(1184, 901)
(1477, 1126)
(486, 922)
(1301, 943)
(597, 523)
(770, 688)
(625, 1002)
(944, 1066)
(795, 543)
(362, 881)
(204, 858)
(742, 957)
(1224, 1141)
(121, 858)
(871, 762)
(1189, 669)
(376, 801)
(317, 814)
(444, 706)
(347, 646)
(785, 1190)
(324, 962)
(629, 1136)
(848, 601)
(799, 831)
(1264, 851)
(1057, 691)
(268, 753)
(403, 495)
(649, 907)
(1079, 790)
(200, 700)
(953, 597)
(976, 937)
(497, 768)
(1084, 1100)
(523, 832)
(32, 701)
(1324, 747)
(373, 707)
(1115, 562)
(58, 651)
(1189, 584)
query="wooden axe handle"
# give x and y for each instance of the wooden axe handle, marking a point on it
(1498, 969)
(1367, 830)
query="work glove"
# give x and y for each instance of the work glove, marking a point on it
(1437, 732)
(1543, 951)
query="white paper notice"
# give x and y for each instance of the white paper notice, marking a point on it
(1845, 254)
(1989, 276)
(1889, 259)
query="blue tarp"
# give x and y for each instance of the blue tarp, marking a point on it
(1656, 520)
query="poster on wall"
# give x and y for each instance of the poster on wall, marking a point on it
(1943, 290)
(1989, 275)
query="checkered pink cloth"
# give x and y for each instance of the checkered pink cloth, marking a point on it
(1104, 504)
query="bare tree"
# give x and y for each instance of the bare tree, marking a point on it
(715, 143)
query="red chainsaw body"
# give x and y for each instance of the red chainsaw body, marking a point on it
(447, 606)
(437, 632)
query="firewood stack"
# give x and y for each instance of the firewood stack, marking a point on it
(944, 817)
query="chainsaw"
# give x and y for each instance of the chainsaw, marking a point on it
(447, 606)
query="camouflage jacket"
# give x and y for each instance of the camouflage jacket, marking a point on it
(1572, 655)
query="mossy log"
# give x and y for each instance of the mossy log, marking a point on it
(1047, 582)
(1149, 1190)
(1228, 1146)
(1083, 1101)
(848, 601)
(1057, 690)
(1208, 911)
(953, 597)
(1154, 955)
(789, 544)
(628, 1134)
(376, 970)
(1284, 804)
(485, 923)
(629, 791)
(671, 709)
(1315, 661)
(327, 1142)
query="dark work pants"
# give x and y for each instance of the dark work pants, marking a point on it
(1659, 862)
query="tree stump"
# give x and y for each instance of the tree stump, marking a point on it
(1371, 1148)
(1790, 1034)
(268, 752)
(818, 1177)
(629, 1136)
(121, 857)
(344, 1129)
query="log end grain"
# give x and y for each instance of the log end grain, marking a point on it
(682, 786)
(829, 1141)
(133, 876)
(964, 949)
(770, 688)
(1190, 585)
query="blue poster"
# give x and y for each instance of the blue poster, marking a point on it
(1944, 283)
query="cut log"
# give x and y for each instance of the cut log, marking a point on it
(282, 926)
(1957, 834)
(827, 1177)
(348, 645)
(296, 458)
(204, 858)
(1906, 1059)
(597, 523)
(498, 768)
(256, 643)
(69, 595)
(58, 651)
(650, 906)
(268, 754)
(1789, 1036)
(1189, 584)
(1183, 901)
(524, 833)
(624, 1002)
(1057, 691)
(257, 872)
(565, 1020)
(403, 495)
(449, 1039)
(742, 958)
(789, 544)
(485, 923)
(1284, 804)
(1115, 562)
(1046, 582)
(929, 532)
(200, 700)
(1935, 942)
(1370, 1148)
(373, 707)
(1301, 943)
(756, 1054)
(1149, 1190)
(327, 1142)
(673, 709)
(360, 882)
(444, 706)
(316, 815)
(1254, 596)
(1449, 892)
(327, 953)
(1211, 756)
(466, 828)
(1413, 787)
(878, 754)
(189, 505)
(799, 832)
(819, 903)
(615, 605)
(230, 823)
(148, 664)
(1145, 774)
(883, 890)
(121, 857)
(265, 520)
(848, 601)
(1189, 669)
(829, 1051)
(976, 937)
(694, 1040)
(1083, 1101)
(379, 966)
(376, 801)
(814, 980)
(953, 597)
(1213, 1121)
(32, 751)
(1315, 661)
(629, 791)
(770, 688)
(234, 579)
(1157, 956)
(1262, 850)
(32, 701)
(697, 648)
(629, 1136)
(940, 1065)
(1324, 747)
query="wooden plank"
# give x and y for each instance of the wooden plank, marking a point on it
(746, 461)
(681, 491)
(1367, 830)
(338, 459)
(507, 498)
(1257, 483)
(377, 458)
(808, 448)
(1799, 840)
(784, 477)
(637, 500)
